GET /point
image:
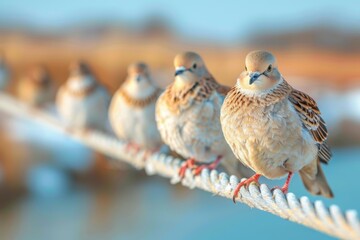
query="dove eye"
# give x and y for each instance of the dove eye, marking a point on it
(269, 68)
(194, 65)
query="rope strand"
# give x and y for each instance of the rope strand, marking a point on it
(332, 220)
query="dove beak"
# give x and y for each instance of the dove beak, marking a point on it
(180, 70)
(253, 77)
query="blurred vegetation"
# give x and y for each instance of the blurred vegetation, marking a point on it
(326, 55)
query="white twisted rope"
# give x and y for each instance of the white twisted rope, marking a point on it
(332, 220)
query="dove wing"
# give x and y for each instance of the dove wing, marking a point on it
(310, 116)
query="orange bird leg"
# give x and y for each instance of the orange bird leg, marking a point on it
(132, 147)
(285, 188)
(210, 166)
(128, 146)
(254, 178)
(190, 163)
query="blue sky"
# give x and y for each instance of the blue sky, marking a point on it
(224, 20)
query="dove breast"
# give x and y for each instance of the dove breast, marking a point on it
(134, 123)
(270, 139)
(84, 111)
(194, 131)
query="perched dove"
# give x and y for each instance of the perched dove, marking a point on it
(188, 116)
(36, 88)
(82, 102)
(274, 129)
(132, 109)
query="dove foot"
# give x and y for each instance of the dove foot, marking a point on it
(132, 147)
(285, 187)
(254, 178)
(190, 163)
(210, 166)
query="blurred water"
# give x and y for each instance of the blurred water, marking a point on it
(153, 209)
(47, 181)
(64, 151)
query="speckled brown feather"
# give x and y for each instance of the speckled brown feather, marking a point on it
(324, 152)
(222, 89)
(177, 99)
(310, 116)
(140, 103)
(304, 105)
(237, 100)
(188, 118)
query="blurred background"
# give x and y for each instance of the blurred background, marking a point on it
(52, 187)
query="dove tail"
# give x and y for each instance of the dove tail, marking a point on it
(316, 183)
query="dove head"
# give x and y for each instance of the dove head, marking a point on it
(79, 68)
(189, 62)
(40, 76)
(139, 74)
(138, 82)
(81, 76)
(261, 73)
(189, 68)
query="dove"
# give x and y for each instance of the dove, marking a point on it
(275, 129)
(4, 73)
(36, 89)
(132, 109)
(82, 102)
(188, 116)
